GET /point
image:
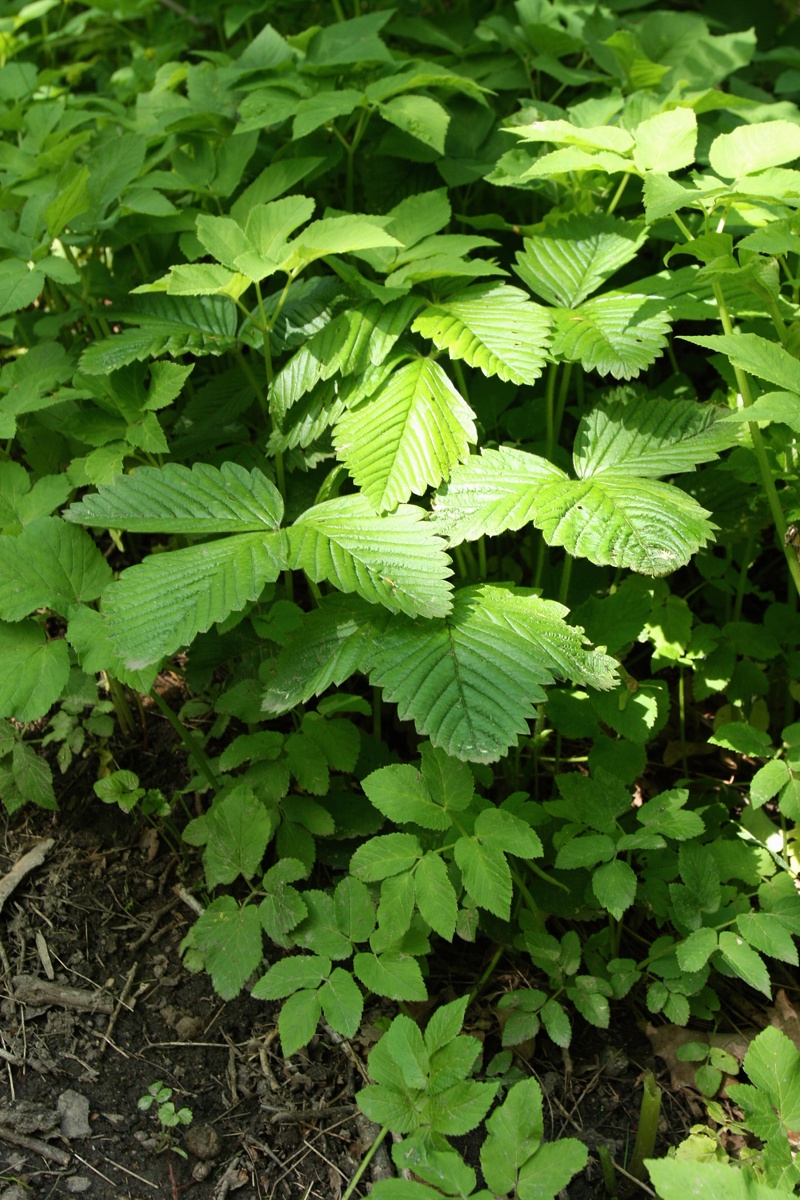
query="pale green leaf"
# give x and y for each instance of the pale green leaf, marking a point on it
(562, 133)
(175, 499)
(573, 158)
(394, 560)
(334, 235)
(401, 794)
(164, 602)
(750, 148)
(291, 974)
(486, 875)
(773, 1064)
(420, 117)
(50, 565)
(33, 671)
(575, 255)
(666, 142)
(493, 327)
(779, 407)
(408, 437)
(200, 279)
(469, 681)
(351, 41)
(229, 940)
(515, 1130)
(222, 237)
(756, 355)
(616, 334)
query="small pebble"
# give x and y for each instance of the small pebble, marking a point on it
(203, 1142)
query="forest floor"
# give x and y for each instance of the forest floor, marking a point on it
(96, 1006)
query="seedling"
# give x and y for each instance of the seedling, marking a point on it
(169, 1117)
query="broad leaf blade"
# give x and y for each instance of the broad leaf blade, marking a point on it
(164, 602)
(33, 673)
(174, 499)
(493, 327)
(616, 334)
(408, 437)
(50, 565)
(576, 255)
(469, 682)
(394, 560)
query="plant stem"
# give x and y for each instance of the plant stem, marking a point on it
(607, 1167)
(121, 707)
(743, 384)
(482, 572)
(615, 199)
(566, 572)
(377, 712)
(366, 1160)
(191, 744)
(682, 719)
(648, 1126)
(549, 398)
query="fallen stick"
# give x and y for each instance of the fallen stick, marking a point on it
(35, 1146)
(23, 866)
(29, 990)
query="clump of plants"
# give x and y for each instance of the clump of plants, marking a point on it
(422, 387)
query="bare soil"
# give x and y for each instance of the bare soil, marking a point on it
(100, 922)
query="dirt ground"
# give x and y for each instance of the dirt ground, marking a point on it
(96, 1006)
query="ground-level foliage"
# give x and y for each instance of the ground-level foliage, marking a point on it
(422, 385)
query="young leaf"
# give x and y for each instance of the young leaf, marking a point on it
(575, 255)
(493, 327)
(408, 437)
(174, 499)
(469, 681)
(393, 560)
(164, 602)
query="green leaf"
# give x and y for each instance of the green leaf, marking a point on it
(772, 407)
(333, 641)
(322, 109)
(19, 285)
(175, 499)
(675, 1179)
(445, 1024)
(618, 334)
(342, 1002)
(666, 142)
(556, 1022)
(486, 875)
(167, 325)
(400, 793)
(756, 355)
(229, 940)
(72, 199)
(469, 681)
(239, 829)
(589, 995)
(394, 560)
(198, 279)
(333, 235)
(696, 950)
(435, 896)
(767, 932)
(562, 133)
(575, 255)
(355, 912)
(499, 827)
(420, 117)
(772, 1063)
(743, 738)
(320, 931)
(395, 911)
(750, 148)
(747, 964)
(381, 857)
(290, 975)
(283, 907)
(352, 41)
(451, 783)
(460, 1108)
(408, 437)
(33, 671)
(164, 602)
(394, 975)
(515, 1131)
(585, 851)
(550, 1169)
(297, 1021)
(614, 885)
(493, 327)
(50, 565)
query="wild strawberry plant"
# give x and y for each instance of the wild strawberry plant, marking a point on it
(423, 386)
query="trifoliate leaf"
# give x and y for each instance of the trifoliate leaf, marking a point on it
(164, 602)
(515, 1131)
(408, 437)
(493, 327)
(394, 560)
(174, 499)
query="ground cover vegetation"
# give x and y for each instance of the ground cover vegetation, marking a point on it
(422, 386)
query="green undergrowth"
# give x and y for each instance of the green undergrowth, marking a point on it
(421, 385)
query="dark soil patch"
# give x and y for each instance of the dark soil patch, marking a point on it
(105, 914)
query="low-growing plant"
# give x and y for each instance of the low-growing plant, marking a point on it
(158, 1097)
(422, 388)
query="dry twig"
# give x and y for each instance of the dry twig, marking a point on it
(23, 866)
